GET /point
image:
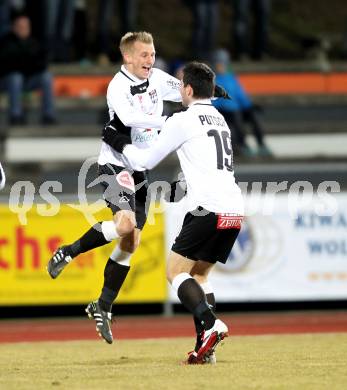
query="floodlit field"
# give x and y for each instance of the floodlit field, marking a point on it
(310, 361)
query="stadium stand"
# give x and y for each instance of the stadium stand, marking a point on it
(303, 113)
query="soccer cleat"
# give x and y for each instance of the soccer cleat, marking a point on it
(210, 359)
(58, 262)
(210, 340)
(193, 355)
(193, 358)
(103, 321)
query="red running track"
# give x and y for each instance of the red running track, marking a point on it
(137, 327)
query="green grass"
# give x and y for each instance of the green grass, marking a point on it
(316, 361)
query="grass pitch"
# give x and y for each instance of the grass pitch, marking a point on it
(311, 361)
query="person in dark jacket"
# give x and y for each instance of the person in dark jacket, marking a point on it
(23, 67)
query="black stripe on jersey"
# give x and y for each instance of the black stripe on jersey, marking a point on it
(141, 88)
(127, 76)
(135, 89)
(202, 104)
(119, 125)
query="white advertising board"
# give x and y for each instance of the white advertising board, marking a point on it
(289, 249)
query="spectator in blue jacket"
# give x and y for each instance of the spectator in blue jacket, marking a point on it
(239, 109)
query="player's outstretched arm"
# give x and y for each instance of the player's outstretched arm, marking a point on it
(2, 177)
(220, 92)
(172, 136)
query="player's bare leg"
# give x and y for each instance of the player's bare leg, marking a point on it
(98, 235)
(116, 271)
(192, 296)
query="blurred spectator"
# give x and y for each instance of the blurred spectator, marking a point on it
(80, 42)
(161, 64)
(205, 28)
(239, 109)
(4, 17)
(176, 68)
(59, 28)
(241, 27)
(23, 67)
(53, 24)
(6, 8)
(127, 17)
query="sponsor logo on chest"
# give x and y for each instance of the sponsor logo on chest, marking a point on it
(146, 136)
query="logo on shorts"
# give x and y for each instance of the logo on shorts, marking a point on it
(124, 199)
(126, 180)
(229, 221)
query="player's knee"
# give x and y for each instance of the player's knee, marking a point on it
(126, 227)
(129, 243)
(201, 279)
(125, 223)
(169, 276)
(172, 271)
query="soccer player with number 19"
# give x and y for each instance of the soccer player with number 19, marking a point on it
(202, 140)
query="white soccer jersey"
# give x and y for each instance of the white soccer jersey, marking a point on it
(138, 104)
(202, 140)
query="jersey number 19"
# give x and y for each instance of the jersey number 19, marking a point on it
(223, 148)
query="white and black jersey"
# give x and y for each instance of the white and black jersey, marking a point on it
(202, 140)
(138, 105)
(2, 177)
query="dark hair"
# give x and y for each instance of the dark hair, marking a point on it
(201, 78)
(16, 14)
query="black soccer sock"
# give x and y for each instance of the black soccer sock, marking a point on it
(211, 300)
(198, 326)
(93, 238)
(114, 276)
(193, 298)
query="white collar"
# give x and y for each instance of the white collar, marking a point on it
(200, 101)
(132, 76)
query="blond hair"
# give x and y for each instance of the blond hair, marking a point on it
(128, 40)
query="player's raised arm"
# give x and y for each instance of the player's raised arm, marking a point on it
(170, 138)
(170, 86)
(2, 177)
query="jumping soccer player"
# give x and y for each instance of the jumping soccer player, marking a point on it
(135, 100)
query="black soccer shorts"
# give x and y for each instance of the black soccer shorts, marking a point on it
(207, 236)
(125, 189)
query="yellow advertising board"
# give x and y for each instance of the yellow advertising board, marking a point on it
(26, 248)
